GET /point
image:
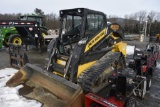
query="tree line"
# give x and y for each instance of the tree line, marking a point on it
(131, 23)
(139, 22)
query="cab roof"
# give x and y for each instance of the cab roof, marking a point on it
(79, 12)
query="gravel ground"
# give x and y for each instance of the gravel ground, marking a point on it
(4, 58)
(152, 98)
(34, 56)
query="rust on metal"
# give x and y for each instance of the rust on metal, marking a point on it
(18, 57)
(16, 79)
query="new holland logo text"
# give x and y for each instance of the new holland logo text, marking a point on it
(97, 38)
(92, 42)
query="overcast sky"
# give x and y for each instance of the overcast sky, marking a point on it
(110, 7)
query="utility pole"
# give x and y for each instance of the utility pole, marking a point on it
(146, 29)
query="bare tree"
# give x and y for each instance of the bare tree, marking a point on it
(131, 23)
(151, 17)
(38, 11)
(141, 16)
(9, 16)
(52, 21)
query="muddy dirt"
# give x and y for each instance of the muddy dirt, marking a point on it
(4, 58)
(34, 55)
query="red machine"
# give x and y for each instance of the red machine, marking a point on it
(92, 100)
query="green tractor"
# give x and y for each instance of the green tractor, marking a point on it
(7, 32)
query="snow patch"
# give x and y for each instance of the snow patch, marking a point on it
(130, 49)
(137, 49)
(9, 97)
(158, 65)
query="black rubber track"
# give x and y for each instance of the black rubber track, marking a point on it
(89, 78)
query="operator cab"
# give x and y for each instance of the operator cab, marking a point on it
(36, 18)
(71, 26)
(77, 24)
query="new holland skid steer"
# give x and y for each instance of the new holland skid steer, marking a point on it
(81, 58)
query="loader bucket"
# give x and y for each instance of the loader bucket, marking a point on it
(70, 94)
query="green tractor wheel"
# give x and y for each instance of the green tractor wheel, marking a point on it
(6, 42)
(43, 32)
(15, 39)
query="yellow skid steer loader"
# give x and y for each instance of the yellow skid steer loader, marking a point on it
(81, 58)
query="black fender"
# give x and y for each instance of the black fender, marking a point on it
(52, 44)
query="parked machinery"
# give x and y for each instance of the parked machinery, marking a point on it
(124, 85)
(154, 37)
(134, 80)
(29, 29)
(87, 56)
(144, 61)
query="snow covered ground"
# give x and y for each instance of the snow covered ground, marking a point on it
(9, 97)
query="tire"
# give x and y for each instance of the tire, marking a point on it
(50, 46)
(131, 102)
(155, 63)
(15, 39)
(6, 42)
(143, 89)
(43, 32)
(149, 81)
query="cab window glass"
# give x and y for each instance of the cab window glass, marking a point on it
(95, 22)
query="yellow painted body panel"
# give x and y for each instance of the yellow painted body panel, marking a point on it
(96, 39)
(57, 73)
(83, 67)
(61, 62)
(158, 35)
(120, 47)
(114, 36)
